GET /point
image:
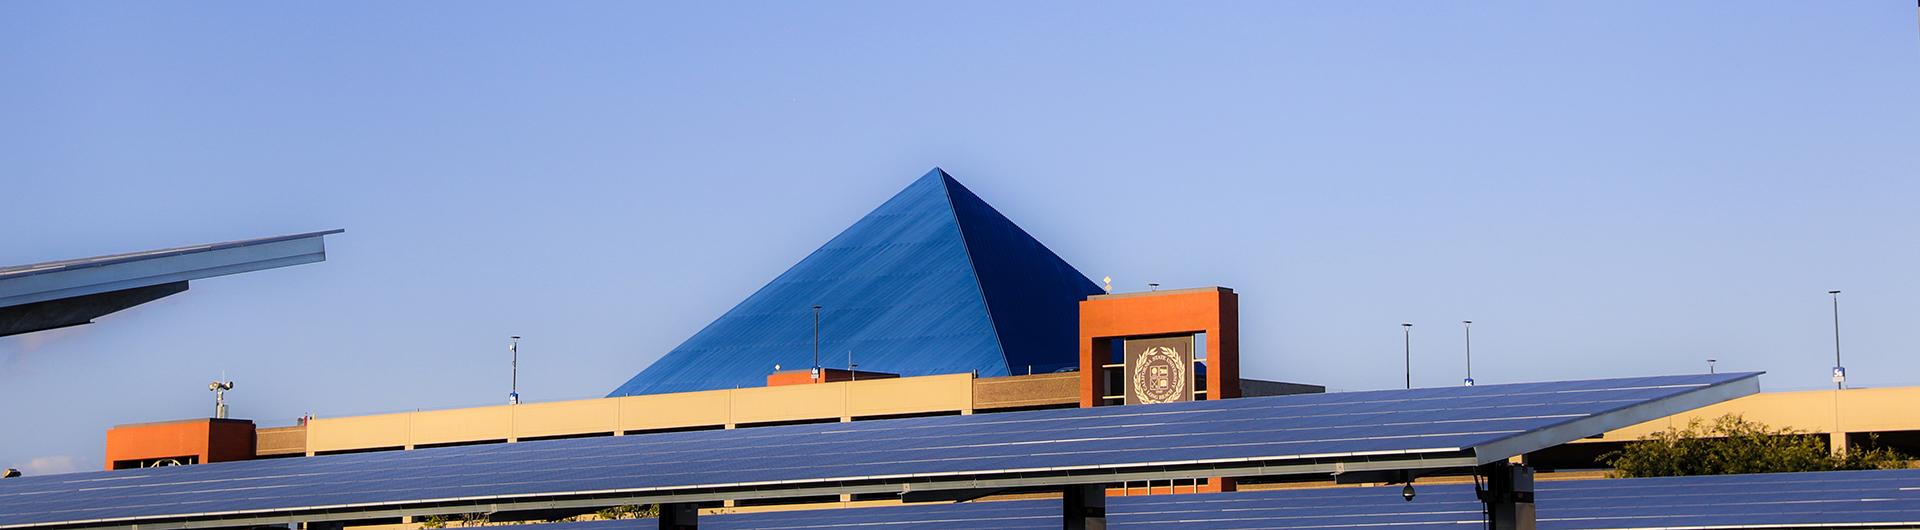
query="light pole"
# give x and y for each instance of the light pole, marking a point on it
(816, 343)
(1710, 368)
(1406, 340)
(1839, 372)
(1468, 325)
(513, 393)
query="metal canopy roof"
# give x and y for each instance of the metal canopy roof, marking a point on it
(1866, 499)
(1357, 432)
(58, 294)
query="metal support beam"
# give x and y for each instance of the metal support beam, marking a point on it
(74, 311)
(1084, 507)
(948, 495)
(679, 516)
(1391, 476)
(1508, 495)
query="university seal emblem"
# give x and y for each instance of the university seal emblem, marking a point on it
(1159, 374)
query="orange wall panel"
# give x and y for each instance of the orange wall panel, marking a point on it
(1211, 310)
(208, 440)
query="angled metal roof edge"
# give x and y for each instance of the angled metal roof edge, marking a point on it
(946, 191)
(20, 271)
(1708, 394)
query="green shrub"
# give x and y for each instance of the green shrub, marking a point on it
(1732, 445)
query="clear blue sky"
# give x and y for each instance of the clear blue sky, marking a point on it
(1607, 189)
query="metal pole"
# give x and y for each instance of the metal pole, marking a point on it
(1084, 507)
(1406, 338)
(513, 395)
(1839, 372)
(1468, 324)
(816, 343)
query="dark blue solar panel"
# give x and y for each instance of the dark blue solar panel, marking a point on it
(1815, 499)
(1254, 428)
(1038, 514)
(1889, 497)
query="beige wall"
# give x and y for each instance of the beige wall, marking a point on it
(838, 401)
(1816, 411)
(360, 432)
(675, 411)
(1860, 410)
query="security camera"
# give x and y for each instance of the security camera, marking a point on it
(1407, 493)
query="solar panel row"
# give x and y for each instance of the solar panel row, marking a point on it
(771, 461)
(1888, 498)
(1810, 499)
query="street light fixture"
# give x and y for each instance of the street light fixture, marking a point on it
(816, 343)
(1468, 325)
(513, 392)
(1839, 371)
(1406, 338)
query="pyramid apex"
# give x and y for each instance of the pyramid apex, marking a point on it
(936, 172)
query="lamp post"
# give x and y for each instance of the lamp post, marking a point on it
(1468, 325)
(1710, 368)
(1406, 340)
(1839, 372)
(513, 392)
(816, 343)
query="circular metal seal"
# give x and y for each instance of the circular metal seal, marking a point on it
(1158, 374)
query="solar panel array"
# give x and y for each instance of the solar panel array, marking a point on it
(1847, 498)
(1363, 424)
(1888, 497)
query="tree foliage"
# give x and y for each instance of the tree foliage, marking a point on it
(1732, 444)
(629, 511)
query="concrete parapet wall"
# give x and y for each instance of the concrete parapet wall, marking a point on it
(831, 401)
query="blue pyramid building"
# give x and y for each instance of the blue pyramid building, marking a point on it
(934, 281)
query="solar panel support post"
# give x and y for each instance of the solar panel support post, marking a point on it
(1509, 496)
(679, 516)
(1084, 507)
